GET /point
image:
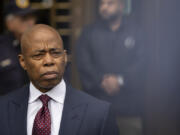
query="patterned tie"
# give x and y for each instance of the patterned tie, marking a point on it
(42, 121)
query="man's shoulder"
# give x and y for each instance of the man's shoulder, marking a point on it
(90, 100)
(15, 94)
(4, 38)
(97, 25)
(6, 42)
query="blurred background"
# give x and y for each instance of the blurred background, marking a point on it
(131, 45)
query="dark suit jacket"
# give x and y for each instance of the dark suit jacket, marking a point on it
(82, 114)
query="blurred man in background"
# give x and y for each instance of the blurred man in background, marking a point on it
(111, 61)
(18, 18)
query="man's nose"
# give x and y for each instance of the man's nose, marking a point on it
(48, 60)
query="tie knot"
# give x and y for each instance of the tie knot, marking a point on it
(44, 99)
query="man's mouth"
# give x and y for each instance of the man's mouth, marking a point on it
(50, 75)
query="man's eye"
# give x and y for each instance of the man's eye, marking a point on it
(56, 53)
(37, 56)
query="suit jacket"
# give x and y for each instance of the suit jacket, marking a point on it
(82, 114)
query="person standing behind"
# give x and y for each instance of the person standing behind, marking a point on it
(18, 18)
(110, 56)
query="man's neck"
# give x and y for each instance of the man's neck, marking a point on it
(115, 24)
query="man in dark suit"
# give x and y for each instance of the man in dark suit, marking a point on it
(48, 106)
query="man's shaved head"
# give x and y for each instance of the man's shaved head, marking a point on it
(31, 34)
(43, 56)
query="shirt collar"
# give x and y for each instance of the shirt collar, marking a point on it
(57, 93)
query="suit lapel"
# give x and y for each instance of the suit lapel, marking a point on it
(18, 112)
(73, 113)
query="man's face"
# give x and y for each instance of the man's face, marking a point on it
(17, 25)
(44, 59)
(109, 9)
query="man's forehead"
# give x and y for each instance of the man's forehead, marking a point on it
(41, 31)
(44, 34)
(41, 36)
(44, 38)
(46, 45)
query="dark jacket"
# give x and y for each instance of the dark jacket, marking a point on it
(101, 51)
(12, 76)
(82, 114)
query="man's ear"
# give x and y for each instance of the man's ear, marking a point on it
(21, 61)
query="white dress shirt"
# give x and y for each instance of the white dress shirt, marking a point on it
(55, 106)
